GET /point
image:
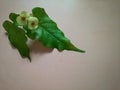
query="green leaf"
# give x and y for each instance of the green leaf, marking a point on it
(13, 16)
(49, 34)
(17, 38)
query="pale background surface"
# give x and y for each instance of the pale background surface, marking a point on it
(93, 25)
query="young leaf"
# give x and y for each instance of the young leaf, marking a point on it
(17, 38)
(49, 34)
(13, 17)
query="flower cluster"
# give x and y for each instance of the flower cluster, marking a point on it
(27, 19)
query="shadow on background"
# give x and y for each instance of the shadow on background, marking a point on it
(38, 47)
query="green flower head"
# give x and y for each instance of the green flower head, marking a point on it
(22, 18)
(32, 23)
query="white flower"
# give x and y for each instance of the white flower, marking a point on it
(32, 23)
(24, 13)
(27, 19)
(22, 18)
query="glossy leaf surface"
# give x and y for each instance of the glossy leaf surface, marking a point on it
(49, 33)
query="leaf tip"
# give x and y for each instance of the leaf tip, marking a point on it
(79, 50)
(30, 59)
(6, 25)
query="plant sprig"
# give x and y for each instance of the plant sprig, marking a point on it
(37, 25)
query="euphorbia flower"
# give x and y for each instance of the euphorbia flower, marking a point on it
(22, 18)
(32, 23)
